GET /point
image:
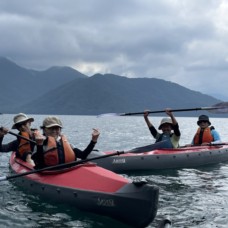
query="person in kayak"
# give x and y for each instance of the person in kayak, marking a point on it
(170, 130)
(22, 146)
(53, 147)
(205, 135)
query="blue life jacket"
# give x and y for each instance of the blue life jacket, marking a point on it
(167, 139)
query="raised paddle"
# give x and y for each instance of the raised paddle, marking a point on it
(220, 108)
(65, 165)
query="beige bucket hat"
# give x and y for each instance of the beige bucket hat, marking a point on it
(52, 121)
(165, 120)
(20, 118)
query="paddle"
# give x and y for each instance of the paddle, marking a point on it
(142, 149)
(65, 165)
(12, 133)
(20, 136)
(219, 108)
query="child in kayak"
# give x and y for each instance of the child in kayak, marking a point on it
(53, 147)
(22, 146)
(170, 130)
(205, 135)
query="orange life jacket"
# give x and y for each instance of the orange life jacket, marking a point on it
(206, 136)
(52, 153)
(24, 145)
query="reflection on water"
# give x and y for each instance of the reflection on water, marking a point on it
(191, 197)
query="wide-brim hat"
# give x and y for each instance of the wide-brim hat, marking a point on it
(203, 118)
(166, 121)
(20, 118)
(51, 121)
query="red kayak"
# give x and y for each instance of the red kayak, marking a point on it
(92, 188)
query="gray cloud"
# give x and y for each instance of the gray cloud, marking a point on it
(180, 41)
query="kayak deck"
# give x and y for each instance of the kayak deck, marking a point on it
(92, 188)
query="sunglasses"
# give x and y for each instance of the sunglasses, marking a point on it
(55, 128)
(203, 121)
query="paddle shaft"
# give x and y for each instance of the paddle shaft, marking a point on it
(65, 165)
(172, 110)
(12, 133)
(220, 108)
(147, 148)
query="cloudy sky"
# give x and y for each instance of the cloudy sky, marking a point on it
(183, 41)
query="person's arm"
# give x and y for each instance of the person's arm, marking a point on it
(154, 132)
(174, 121)
(6, 147)
(170, 114)
(146, 114)
(3, 131)
(38, 155)
(176, 130)
(152, 129)
(216, 137)
(12, 146)
(83, 154)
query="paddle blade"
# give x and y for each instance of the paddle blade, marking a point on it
(220, 108)
(3, 178)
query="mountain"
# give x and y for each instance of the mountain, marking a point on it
(19, 85)
(111, 93)
(64, 90)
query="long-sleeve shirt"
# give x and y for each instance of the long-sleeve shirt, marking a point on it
(8, 147)
(13, 146)
(174, 138)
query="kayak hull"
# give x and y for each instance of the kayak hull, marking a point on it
(188, 157)
(117, 197)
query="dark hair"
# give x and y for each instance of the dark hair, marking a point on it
(20, 124)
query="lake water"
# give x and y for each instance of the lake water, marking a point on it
(191, 197)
